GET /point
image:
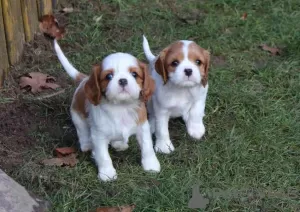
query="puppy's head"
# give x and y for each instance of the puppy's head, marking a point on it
(120, 78)
(183, 63)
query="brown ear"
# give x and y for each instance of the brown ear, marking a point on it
(160, 65)
(148, 83)
(206, 68)
(92, 86)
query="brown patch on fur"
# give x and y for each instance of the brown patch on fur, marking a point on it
(140, 75)
(166, 57)
(142, 113)
(79, 102)
(92, 88)
(103, 81)
(148, 87)
(91, 91)
(197, 53)
(80, 77)
(144, 80)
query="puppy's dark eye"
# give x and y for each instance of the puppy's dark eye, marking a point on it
(175, 63)
(109, 76)
(198, 62)
(134, 74)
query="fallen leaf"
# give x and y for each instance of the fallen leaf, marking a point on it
(244, 16)
(127, 208)
(63, 151)
(36, 82)
(49, 26)
(155, 182)
(228, 30)
(187, 16)
(67, 10)
(218, 61)
(97, 19)
(272, 50)
(69, 160)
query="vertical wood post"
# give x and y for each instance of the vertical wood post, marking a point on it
(4, 63)
(30, 18)
(44, 7)
(14, 29)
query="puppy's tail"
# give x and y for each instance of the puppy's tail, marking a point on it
(150, 57)
(73, 72)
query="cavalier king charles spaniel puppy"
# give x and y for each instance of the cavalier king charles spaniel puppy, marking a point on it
(180, 72)
(108, 107)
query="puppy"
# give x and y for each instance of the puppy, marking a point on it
(180, 72)
(109, 106)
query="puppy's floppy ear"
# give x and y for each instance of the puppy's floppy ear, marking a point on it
(206, 67)
(160, 65)
(92, 86)
(148, 82)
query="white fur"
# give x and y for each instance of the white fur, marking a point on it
(178, 77)
(64, 61)
(120, 62)
(147, 50)
(114, 120)
(181, 96)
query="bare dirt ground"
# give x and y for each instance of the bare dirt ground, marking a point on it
(20, 111)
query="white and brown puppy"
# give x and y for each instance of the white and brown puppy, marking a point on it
(180, 72)
(109, 106)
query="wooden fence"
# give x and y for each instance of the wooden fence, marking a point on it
(18, 23)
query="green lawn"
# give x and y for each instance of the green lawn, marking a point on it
(252, 112)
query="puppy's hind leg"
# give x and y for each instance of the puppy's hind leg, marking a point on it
(151, 117)
(83, 131)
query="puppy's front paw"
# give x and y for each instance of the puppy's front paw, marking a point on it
(86, 146)
(119, 145)
(165, 147)
(196, 130)
(107, 174)
(151, 164)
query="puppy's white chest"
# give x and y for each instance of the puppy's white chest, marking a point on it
(116, 123)
(178, 104)
(178, 100)
(174, 97)
(125, 123)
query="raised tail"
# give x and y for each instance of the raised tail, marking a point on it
(150, 57)
(73, 72)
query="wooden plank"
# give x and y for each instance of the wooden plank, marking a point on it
(44, 7)
(30, 18)
(54, 3)
(14, 29)
(4, 63)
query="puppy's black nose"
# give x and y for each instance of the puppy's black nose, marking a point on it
(123, 82)
(188, 72)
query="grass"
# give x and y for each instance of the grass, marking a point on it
(252, 113)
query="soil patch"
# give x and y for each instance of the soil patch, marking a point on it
(17, 119)
(21, 114)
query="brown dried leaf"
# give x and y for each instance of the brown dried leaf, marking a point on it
(272, 50)
(69, 160)
(63, 151)
(244, 16)
(126, 208)
(49, 25)
(155, 182)
(36, 82)
(218, 61)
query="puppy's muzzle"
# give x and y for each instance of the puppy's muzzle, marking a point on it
(123, 82)
(188, 72)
